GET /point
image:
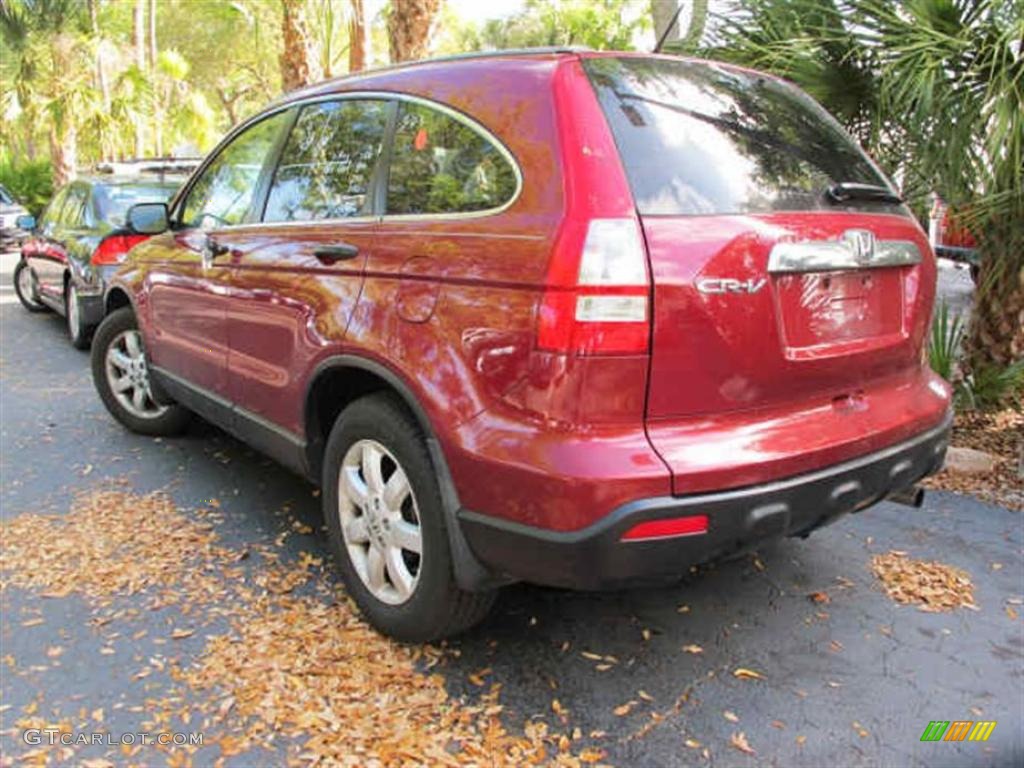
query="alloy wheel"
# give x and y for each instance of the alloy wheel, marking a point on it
(128, 376)
(27, 285)
(380, 522)
(74, 322)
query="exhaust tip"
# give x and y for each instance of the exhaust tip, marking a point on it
(910, 497)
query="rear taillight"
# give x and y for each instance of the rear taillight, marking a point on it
(113, 248)
(601, 307)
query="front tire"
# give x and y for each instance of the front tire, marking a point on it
(120, 373)
(386, 524)
(25, 288)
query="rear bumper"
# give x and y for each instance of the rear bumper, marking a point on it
(91, 287)
(596, 558)
(957, 253)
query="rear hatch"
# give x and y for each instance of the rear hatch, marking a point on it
(786, 274)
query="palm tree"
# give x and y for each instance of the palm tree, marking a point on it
(662, 13)
(409, 23)
(49, 42)
(935, 89)
(357, 38)
(298, 59)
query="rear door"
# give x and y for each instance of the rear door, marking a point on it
(768, 289)
(295, 278)
(58, 235)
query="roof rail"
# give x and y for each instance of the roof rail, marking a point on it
(537, 51)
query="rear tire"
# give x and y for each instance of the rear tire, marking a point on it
(381, 494)
(120, 373)
(80, 335)
(25, 288)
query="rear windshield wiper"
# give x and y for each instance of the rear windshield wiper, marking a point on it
(845, 191)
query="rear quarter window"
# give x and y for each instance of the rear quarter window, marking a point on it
(441, 165)
(699, 139)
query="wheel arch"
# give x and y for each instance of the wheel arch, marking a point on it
(115, 298)
(340, 380)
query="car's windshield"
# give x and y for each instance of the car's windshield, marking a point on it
(113, 201)
(5, 197)
(700, 138)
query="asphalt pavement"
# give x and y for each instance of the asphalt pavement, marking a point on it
(851, 682)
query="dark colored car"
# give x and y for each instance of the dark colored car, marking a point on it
(10, 211)
(79, 240)
(582, 319)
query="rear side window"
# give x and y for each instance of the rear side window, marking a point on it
(74, 208)
(441, 165)
(328, 162)
(224, 192)
(53, 209)
(112, 202)
(696, 138)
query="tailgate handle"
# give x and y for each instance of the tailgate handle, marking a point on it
(328, 254)
(831, 255)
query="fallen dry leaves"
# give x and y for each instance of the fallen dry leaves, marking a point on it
(999, 433)
(739, 740)
(747, 674)
(932, 585)
(297, 660)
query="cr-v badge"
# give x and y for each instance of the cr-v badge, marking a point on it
(730, 285)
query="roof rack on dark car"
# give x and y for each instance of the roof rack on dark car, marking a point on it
(161, 166)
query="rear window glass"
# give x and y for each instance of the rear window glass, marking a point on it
(441, 165)
(113, 202)
(700, 139)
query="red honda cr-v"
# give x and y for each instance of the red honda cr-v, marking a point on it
(574, 318)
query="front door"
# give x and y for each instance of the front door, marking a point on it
(296, 278)
(187, 274)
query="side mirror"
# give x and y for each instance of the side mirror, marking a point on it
(26, 222)
(148, 218)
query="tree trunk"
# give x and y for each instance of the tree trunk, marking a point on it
(63, 134)
(695, 29)
(997, 323)
(357, 37)
(158, 112)
(63, 152)
(409, 23)
(106, 151)
(139, 35)
(662, 12)
(297, 59)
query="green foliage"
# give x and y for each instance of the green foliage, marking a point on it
(985, 386)
(599, 24)
(934, 89)
(992, 386)
(947, 334)
(31, 182)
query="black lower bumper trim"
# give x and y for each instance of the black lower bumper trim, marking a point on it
(596, 558)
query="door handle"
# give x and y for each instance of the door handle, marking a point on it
(211, 250)
(328, 254)
(215, 248)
